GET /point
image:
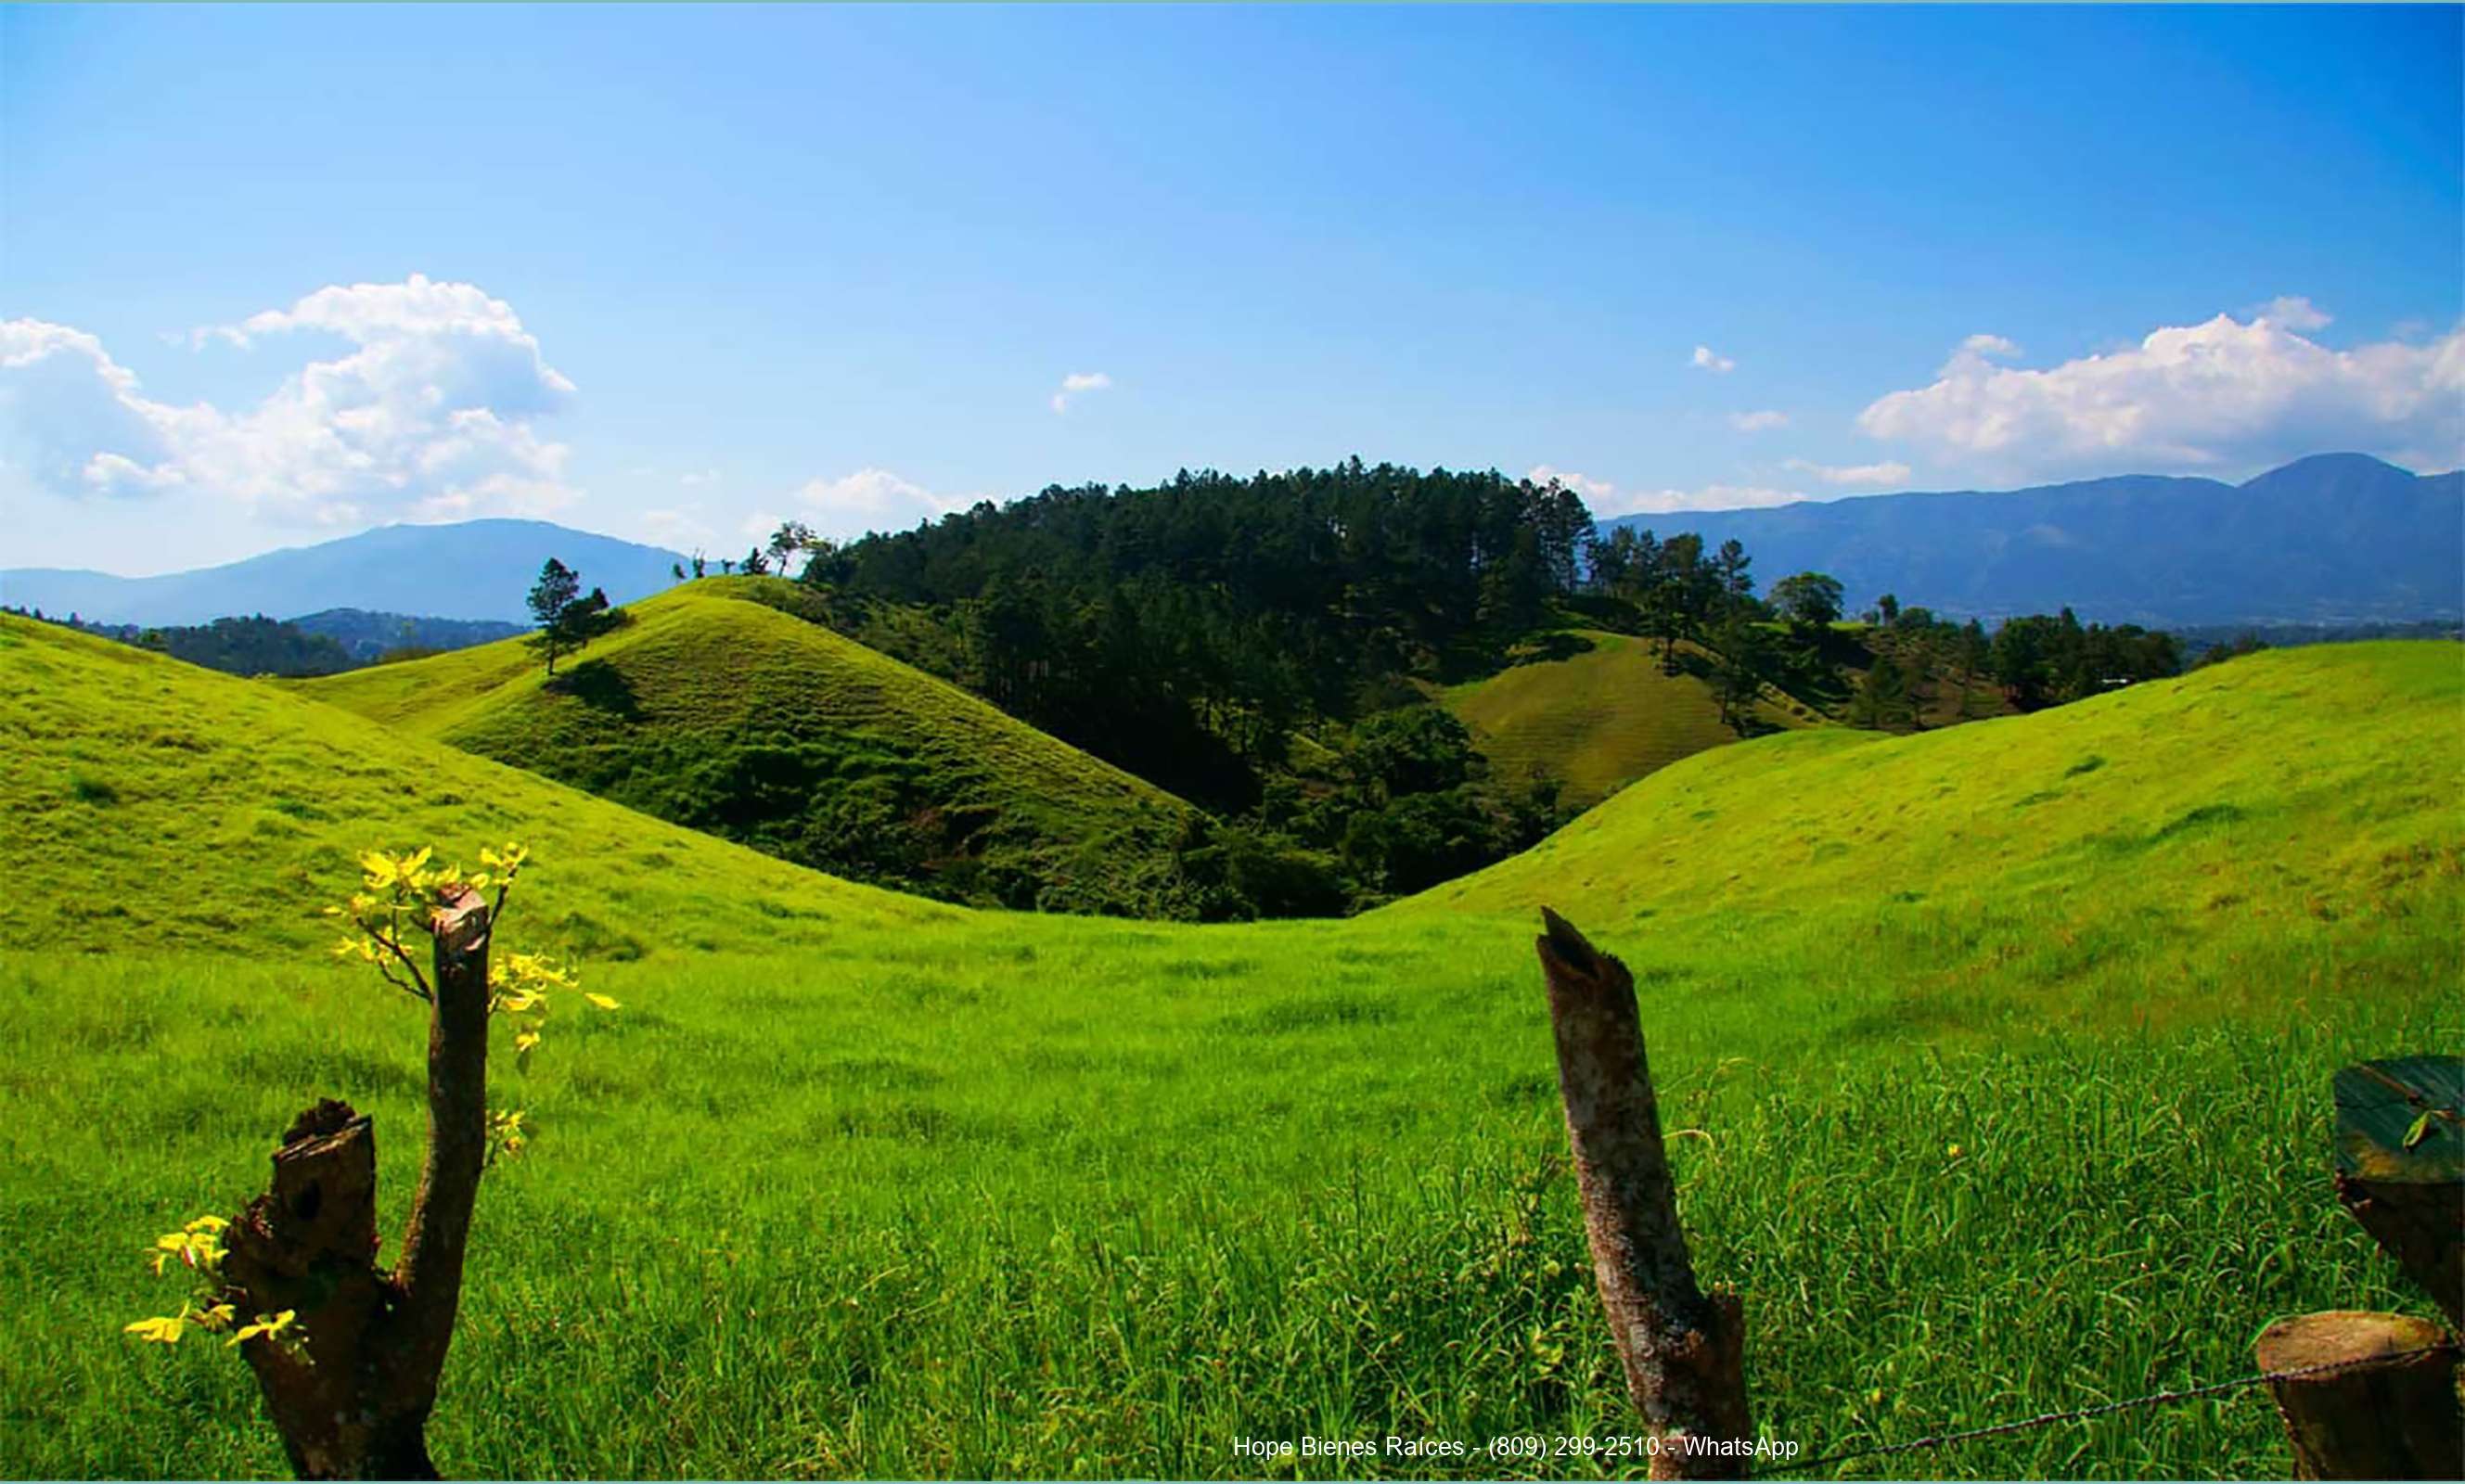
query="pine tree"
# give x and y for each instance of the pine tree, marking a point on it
(550, 596)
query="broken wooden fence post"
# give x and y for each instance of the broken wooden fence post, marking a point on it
(354, 1402)
(1684, 1350)
(2401, 1168)
(2389, 1408)
(2389, 1411)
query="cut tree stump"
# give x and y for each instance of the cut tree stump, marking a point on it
(2391, 1412)
(1683, 1349)
(353, 1401)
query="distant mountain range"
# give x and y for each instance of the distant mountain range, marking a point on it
(474, 569)
(2336, 538)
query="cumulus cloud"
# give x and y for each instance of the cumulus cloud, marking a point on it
(1867, 476)
(2224, 396)
(1758, 422)
(1607, 500)
(1712, 360)
(871, 500)
(428, 414)
(1077, 383)
(2294, 312)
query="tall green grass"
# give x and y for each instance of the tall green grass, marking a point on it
(857, 1186)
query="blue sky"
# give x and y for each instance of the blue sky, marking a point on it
(268, 276)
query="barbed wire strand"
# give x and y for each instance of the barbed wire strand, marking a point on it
(2101, 1410)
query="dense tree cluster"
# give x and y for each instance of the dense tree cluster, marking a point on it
(1186, 630)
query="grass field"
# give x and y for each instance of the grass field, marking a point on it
(716, 708)
(1599, 719)
(2011, 1046)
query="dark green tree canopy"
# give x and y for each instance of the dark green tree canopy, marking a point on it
(1810, 600)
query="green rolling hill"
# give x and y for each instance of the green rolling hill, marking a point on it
(1599, 718)
(718, 709)
(2224, 795)
(176, 809)
(2009, 1044)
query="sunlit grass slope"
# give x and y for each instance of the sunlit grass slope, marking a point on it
(719, 710)
(1600, 719)
(2169, 848)
(857, 1185)
(152, 806)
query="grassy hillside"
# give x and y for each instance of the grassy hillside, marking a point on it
(2227, 794)
(716, 709)
(160, 807)
(1599, 718)
(857, 1185)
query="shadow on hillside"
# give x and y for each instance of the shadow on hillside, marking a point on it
(600, 686)
(1542, 649)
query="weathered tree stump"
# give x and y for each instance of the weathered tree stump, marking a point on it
(1683, 1349)
(353, 1400)
(2388, 1411)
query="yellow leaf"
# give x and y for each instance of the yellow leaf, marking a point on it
(266, 1325)
(602, 1001)
(160, 1330)
(380, 870)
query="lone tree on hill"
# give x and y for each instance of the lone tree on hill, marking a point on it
(567, 622)
(558, 585)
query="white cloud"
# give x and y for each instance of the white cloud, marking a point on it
(1077, 383)
(870, 499)
(2225, 396)
(1712, 360)
(1607, 501)
(698, 477)
(1871, 476)
(429, 414)
(2294, 312)
(1758, 422)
